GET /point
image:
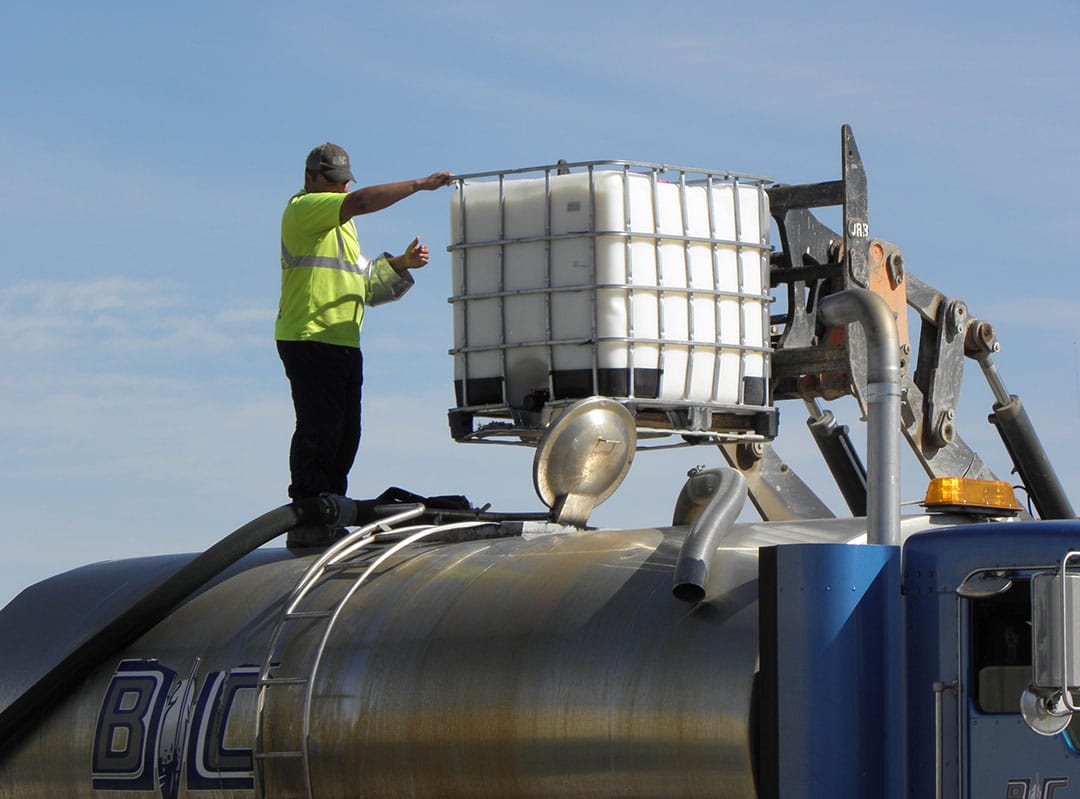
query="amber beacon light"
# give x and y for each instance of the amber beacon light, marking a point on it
(966, 494)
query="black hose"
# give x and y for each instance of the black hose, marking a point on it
(725, 492)
(144, 614)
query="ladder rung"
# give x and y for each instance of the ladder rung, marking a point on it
(309, 614)
(277, 755)
(283, 681)
(340, 566)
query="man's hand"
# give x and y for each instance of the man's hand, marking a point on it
(436, 180)
(415, 256)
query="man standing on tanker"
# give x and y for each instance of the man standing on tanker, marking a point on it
(326, 283)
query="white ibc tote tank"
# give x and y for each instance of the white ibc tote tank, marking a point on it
(625, 280)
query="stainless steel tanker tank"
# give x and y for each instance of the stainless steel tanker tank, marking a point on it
(545, 665)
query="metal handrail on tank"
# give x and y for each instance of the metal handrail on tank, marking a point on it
(309, 695)
(345, 546)
(337, 555)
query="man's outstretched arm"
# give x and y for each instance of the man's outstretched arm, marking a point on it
(370, 199)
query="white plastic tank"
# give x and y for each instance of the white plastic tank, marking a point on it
(632, 281)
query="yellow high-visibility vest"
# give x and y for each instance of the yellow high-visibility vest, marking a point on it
(326, 282)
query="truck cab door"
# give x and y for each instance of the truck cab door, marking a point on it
(1011, 745)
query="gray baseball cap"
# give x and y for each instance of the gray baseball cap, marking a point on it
(331, 161)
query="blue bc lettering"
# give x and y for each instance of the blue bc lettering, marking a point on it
(211, 764)
(126, 739)
(1033, 789)
(143, 736)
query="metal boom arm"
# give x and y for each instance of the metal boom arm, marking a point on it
(814, 361)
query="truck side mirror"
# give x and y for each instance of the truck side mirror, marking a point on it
(1047, 704)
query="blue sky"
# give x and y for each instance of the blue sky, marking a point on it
(146, 151)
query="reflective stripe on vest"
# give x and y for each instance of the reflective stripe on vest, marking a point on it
(288, 261)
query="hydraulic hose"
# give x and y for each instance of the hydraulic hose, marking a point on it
(140, 617)
(723, 491)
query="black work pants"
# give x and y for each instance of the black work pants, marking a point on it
(325, 380)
